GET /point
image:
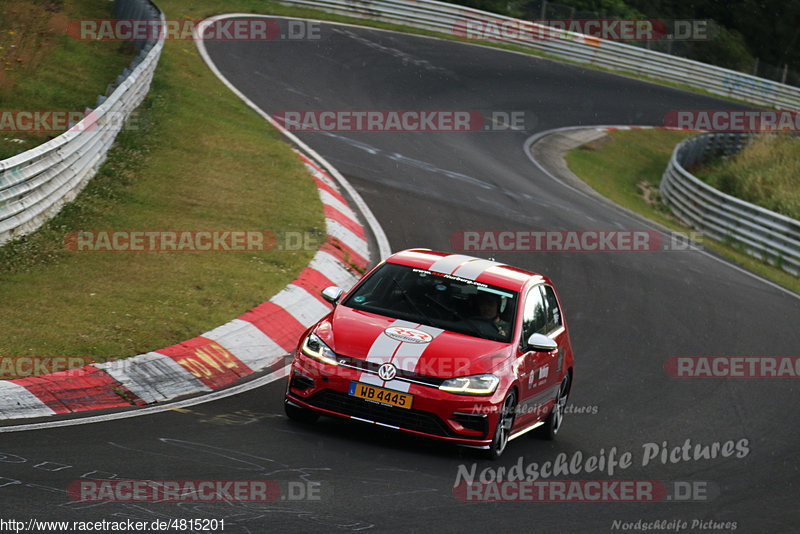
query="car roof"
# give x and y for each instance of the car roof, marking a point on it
(478, 269)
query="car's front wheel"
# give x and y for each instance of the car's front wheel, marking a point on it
(553, 422)
(297, 413)
(505, 421)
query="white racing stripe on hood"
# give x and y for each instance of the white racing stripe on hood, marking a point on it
(402, 354)
(382, 351)
(407, 356)
(473, 269)
(450, 263)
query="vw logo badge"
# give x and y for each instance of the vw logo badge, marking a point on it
(387, 371)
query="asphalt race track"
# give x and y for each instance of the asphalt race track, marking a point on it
(627, 313)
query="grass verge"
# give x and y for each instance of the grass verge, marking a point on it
(626, 167)
(181, 170)
(198, 160)
(41, 68)
(766, 172)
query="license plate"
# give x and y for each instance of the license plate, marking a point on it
(381, 395)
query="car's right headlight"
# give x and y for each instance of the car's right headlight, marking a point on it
(314, 347)
(471, 385)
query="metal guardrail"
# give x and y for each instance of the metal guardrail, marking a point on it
(446, 18)
(762, 233)
(35, 184)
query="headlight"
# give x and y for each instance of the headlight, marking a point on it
(471, 385)
(315, 348)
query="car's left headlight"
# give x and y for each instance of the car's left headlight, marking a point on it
(471, 385)
(314, 347)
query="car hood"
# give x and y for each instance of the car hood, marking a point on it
(429, 351)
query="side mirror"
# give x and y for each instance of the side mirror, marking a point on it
(541, 343)
(332, 294)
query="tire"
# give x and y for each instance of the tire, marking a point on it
(554, 421)
(505, 421)
(299, 414)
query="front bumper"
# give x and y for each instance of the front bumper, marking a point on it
(459, 419)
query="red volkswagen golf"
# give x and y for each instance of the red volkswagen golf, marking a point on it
(442, 345)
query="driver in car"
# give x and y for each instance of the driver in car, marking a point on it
(489, 309)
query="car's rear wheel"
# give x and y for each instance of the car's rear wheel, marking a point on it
(553, 422)
(297, 413)
(505, 421)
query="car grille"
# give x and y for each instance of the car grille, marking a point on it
(343, 403)
(372, 367)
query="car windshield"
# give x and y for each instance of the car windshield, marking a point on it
(439, 300)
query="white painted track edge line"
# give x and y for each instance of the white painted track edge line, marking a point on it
(383, 250)
(136, 412)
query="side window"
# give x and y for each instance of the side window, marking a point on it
(534, 318)
(554, 320)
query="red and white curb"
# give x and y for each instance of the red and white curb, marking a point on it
(256, 340)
